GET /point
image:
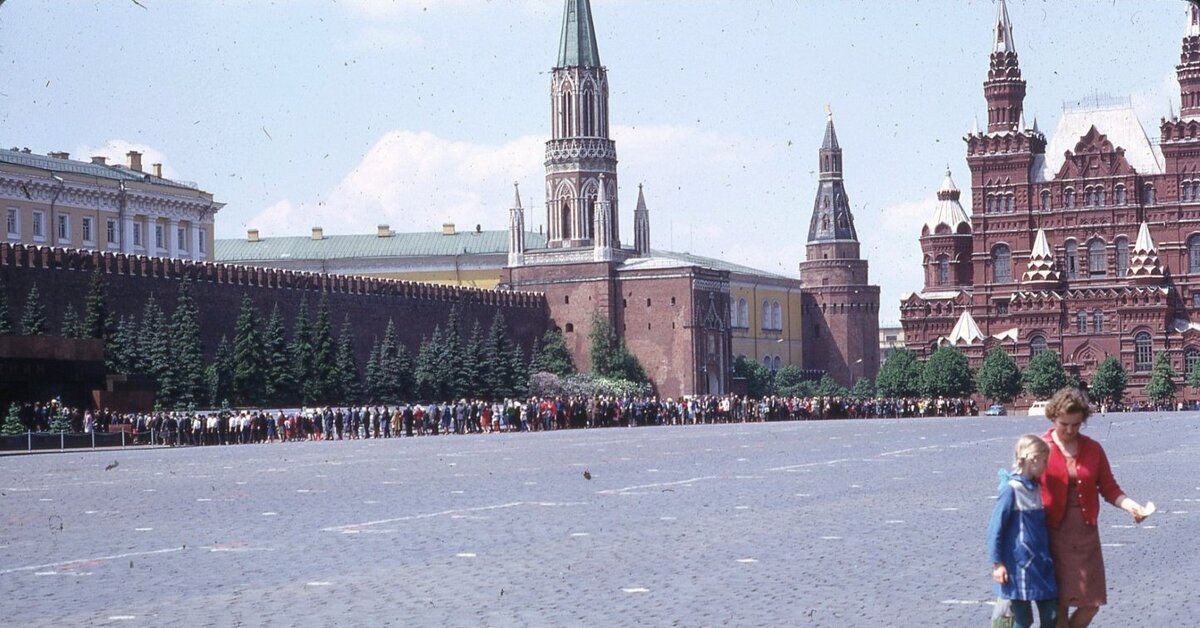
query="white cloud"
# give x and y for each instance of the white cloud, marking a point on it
(892, 245)
(117, 150)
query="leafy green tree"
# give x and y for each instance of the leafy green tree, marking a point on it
(828, 387)
(900, 375)
(759, 379)
(1161, 387)
(12, 421)
(33, 322)
(6, 326)
(279, 388)
(1109, 381)
(554, 357)
(998, 378)
(864, 388)
(320, 388)
(249, 376)
(219, 374)
(98, 319)
(346, 376)
(187, 350)
(947, 374)
(625, 366)
(301, 350)
(70, 323)
(787, 378)
(1045, 375)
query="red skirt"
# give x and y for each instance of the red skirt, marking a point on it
(1078, 559)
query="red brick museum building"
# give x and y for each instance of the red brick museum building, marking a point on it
(1086, 243)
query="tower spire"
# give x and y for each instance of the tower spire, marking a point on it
(577, 47)
(1004, 89)
(831, 152)
(831, 218)
(516, 229)
(1188, 70)
(641, 225)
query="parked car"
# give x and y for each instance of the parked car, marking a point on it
(996, 409)
(1038, 409)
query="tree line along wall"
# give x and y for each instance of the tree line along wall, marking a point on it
(63, 277)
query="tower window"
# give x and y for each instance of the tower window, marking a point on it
(1097, 260)
(1072, 259)
(1045, 198)
(1122, 246)
(1143, 357)
(1069, 198)
(943, 271)
(1001, 264)
(1119, 192)
(570, 328)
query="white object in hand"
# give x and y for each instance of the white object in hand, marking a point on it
(1148, 509)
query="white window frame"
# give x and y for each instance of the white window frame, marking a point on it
(62, 230)
(112, 229)
(181, 239)
(86, 230)
(13, 223)
(200, 242)
(160, 237)
(39, 225)
(137, 234)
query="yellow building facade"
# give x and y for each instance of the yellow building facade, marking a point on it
(766, 319)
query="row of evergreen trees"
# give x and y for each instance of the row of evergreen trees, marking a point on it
(261, 365)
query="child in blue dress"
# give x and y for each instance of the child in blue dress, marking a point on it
(1017, 541)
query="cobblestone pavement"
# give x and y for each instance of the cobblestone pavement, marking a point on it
(837, 523)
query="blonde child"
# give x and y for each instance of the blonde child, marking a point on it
(1017, 540)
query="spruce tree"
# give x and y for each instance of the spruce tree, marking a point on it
(12, 421)
(33, 322)
(432, 372)
(372, 375)
(60, 421)
(249, 379)
(301, 350)
(394, 375)
(155, 353)
(70, 323)
(470, 371)
(98, 320)
(278, 387)
(494, 375)
(346, 373)
(119, 348)
(187, 350)
(324, 357)
(518, 371)
(219, 374)
(554, 356)
(6, 326)
(450, 362)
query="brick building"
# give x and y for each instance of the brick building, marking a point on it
(1086, 244)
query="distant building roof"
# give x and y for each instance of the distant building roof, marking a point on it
(1116, 119)
(420, 244)
(104, 171)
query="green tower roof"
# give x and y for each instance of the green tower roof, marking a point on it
(578, 45)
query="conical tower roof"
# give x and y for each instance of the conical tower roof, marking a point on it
(577, 48)
(966, 330)
(1041, 271)
(1144, 265)
(831, 217)
(516, 195)
(830, 142)
(1003, 30)
(949, 211)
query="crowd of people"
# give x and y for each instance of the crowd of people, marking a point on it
(469, 417)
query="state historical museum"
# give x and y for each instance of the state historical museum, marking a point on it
(1087, 244)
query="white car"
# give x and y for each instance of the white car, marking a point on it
(1038, 409)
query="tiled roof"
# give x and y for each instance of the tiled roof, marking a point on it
(104, 171)
(422, 244)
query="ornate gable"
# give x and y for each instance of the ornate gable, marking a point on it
(1094, 156)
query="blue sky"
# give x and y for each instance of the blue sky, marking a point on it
(349, 113)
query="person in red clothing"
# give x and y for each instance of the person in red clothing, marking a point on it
(1077, 475)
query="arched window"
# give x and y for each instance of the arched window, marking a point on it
(989, 204)
(1069, 198)
(1143, 357)
(1185, 191)
(743, 313)
(1071, 258)
(1191, 357)
(1099, 197)
(1037, 344)
(1120, 194)
(776, 364)
(1122, 246)
(1098, 321)
(1148, 197)
(1081, 322)
(766, 314)
(1001, 264)
(767, 362)
(776, 316)
(564, 217)
(1008, 203)
(1097, 260)
(943, 270)
(1089, 197)
(1045, 200)
(1193, 249)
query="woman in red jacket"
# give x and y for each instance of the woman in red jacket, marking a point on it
(1077, 475)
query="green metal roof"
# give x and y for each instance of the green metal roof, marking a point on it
(578, 45)
(104, 171)
(715, 264)
(423, 244)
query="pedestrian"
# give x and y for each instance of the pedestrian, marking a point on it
(1017, 539)
(1077, 475)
